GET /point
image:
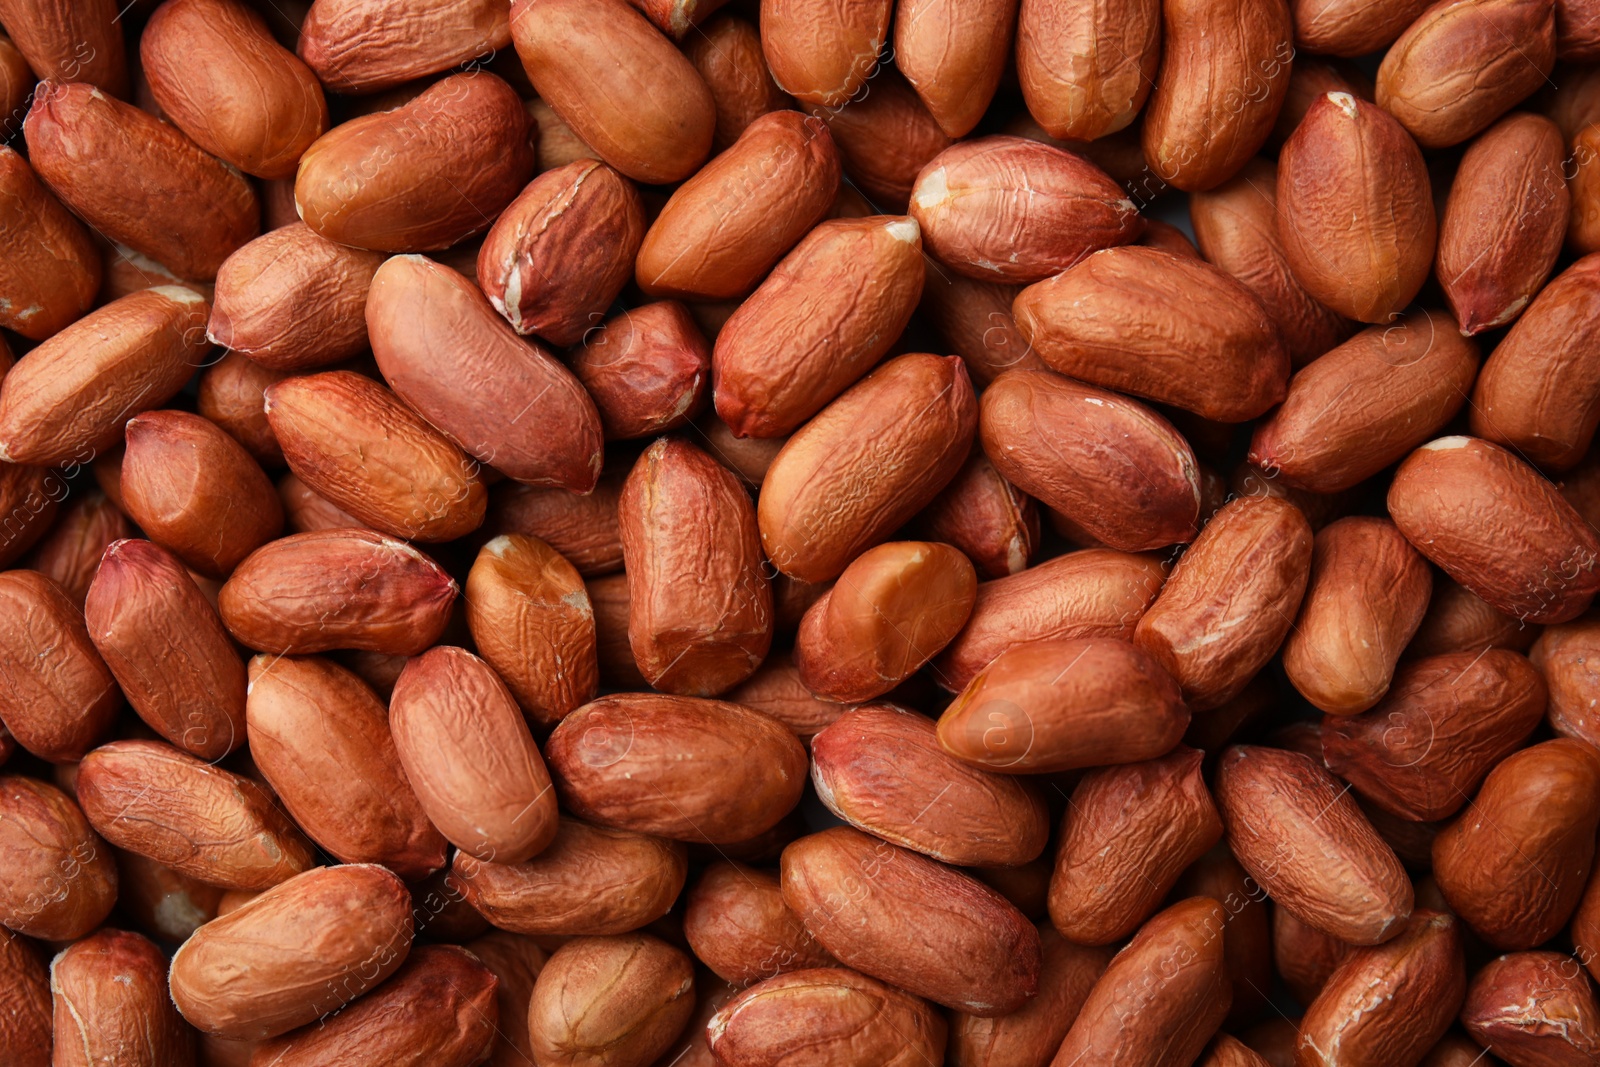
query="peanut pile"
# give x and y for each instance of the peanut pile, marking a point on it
(799, 533)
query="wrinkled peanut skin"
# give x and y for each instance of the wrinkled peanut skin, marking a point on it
(1515, 864)
(622, 86)
(167, 647)
(1231, 600)
(890, 612)
(51, 270)
(885, 138)
(25, 1021)
(681, 767)
(1161, 998)
(648, 370)
(1534, 1008)
(309, 945)
(1495, 525)
(620, 1000)
(1308, 845)
(590, 880)
(1567, 656)
(1365, 598)
(847, 1017)
(195, 817)
(986, 517)
(1355, 209)
(822, 51)
(880, 768)
(1129, 832)
(582, 528)
(1351, 27)
(70, 554)
(1367, 403)
(736, 922)
(1032, 1033)
(74, 40)
(1200, 340)
(1086, 70)
(954, 55)
(1113, 466)
(57, 696)
(920, 925)
(1054, 705)
(1422, 751)
(354, 50)
(726, 50)
(700, 606)
(469, 757)
(110, 1002)
(61, 881)
(231, 394)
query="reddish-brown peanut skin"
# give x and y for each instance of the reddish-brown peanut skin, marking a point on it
(25, 1024)
(50, 269)
(1226, 1051)
(1008, 209)
(1128, 833)
(57, 697)
(330, 589)
(954, 55)
(110, 1002)
(532, 620)
(508, 403)
(1568, 656)
(1350, 27)
(1355, 210)
(1504, 221)
(1515, 864)
(680, 767)
(1307, 844)
(1388, 1004)
(1085, 72)
(1539, 393)
(1032, 1033)
(200, 55)
(467, 152)
(824, 317)
(439, 1009)
(700, 608)
(589, 881)
(356, 445)
(1231, 599)
(31, 498)
(880, 768)
(309, 945)
(292, 299)
(728, 225)
(885, 138)
(230, 394)
(1585, 930)
(70, 554)
(149, 187)
(822, 53)
(621, 1000)
(1247, 946)
(775, 690)
(1165, 327)
(726, 50)
(901, 917)
(1236, 227)
(986, 517)
(1224, 74)
(1162, 997)
(68, 400)
(167, 647)
(1112, 465)
(192, 816)
(80, 42)
(515, 961)
(321, 739)
(354, 49)
(196, 492)
(1304, 956)
(583, 529)
(891, 610)
(1509, 46)
(1495, 525)
(1366, 596)
(737, 923)
(1534, 1009)
(846, 1017)
(61, 881)
(608, 597)
(1054, 705)
(1448, 719)
(469, 756)
(621, 86)
(1409, 380)
(1583, 225)
(897, 437)
(648, 370)
(1094, 592)
(555, 260)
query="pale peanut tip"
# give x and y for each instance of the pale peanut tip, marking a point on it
(5, 452)
(1344, 102)
(905, 230)
(1444, 443)
(179, 294)
(933, 190)
(498, 547)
